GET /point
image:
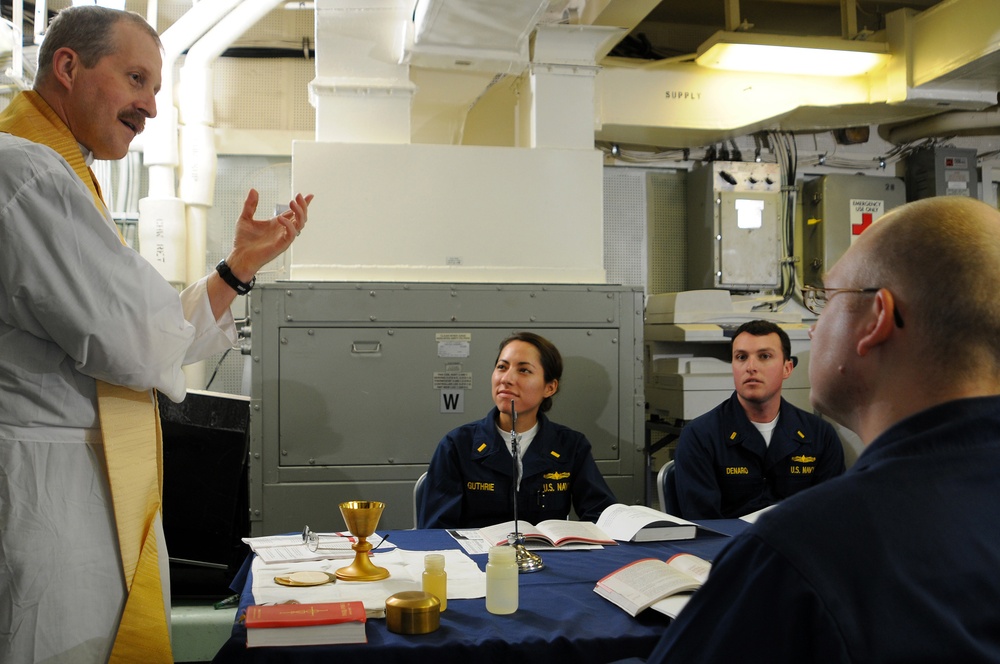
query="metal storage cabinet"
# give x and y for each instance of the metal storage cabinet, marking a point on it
(354, 384)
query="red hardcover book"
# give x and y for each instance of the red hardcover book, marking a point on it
(306, 624)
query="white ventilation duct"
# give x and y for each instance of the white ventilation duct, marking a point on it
(389, 208)
(561, 85)
(364, 91)
(458, 49)
(361, 92)
(473, 35)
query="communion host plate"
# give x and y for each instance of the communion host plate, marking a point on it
(299, 579)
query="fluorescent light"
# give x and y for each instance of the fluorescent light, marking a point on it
(779, 54)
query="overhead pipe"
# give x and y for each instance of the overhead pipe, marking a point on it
(161, 139)
(954, 123)
(17, 36)
(41, 20)
(162, 224)
(153, 13)
(197, 132)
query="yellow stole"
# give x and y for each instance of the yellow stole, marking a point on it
(130, 426)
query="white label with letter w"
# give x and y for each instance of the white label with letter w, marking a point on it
(452, 401)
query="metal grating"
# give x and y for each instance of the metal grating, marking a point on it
(625, 226)
(271, 177)
(279, 89)
(666, 201)
(645, 230)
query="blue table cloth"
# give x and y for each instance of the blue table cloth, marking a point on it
(559, 619)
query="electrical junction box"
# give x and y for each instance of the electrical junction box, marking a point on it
(942, 171)
(734, 226)
(836, 209)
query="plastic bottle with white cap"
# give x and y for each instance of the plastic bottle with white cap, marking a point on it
(435, 579)
(501, 580)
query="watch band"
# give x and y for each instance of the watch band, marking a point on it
(227, 275)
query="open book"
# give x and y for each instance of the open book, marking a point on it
(651, 583)
(553, 532)
(638, 523)
(753, 516)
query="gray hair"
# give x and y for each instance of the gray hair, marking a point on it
(87, 30)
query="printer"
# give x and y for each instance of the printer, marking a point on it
(687, 337)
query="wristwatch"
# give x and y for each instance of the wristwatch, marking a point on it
(227, 275)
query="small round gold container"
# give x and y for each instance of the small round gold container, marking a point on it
(412, 612)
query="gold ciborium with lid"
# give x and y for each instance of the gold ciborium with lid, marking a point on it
(361, 517)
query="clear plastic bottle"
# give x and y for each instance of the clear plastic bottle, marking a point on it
(501, 580)
(435, 579)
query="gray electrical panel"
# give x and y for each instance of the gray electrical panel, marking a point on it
(942, 171)
(836, 209)
(734, 226)
(354, 384)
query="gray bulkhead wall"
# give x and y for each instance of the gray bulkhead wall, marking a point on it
(354, 384)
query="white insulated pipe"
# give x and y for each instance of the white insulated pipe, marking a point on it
(162, 223)
(161, 132)
(17, 57)
(197, 135)
(952, 123)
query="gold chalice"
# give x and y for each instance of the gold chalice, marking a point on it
(361, 517)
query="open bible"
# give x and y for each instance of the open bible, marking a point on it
(664, 586)
(553, 532)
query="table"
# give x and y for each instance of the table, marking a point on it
(559, 618)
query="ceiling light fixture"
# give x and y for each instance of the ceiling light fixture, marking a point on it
(781, 54)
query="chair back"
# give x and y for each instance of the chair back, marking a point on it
(418, 490)
(666, 490)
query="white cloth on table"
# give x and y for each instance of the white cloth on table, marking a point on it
(465, 579)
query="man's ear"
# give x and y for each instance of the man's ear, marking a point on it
(65, 65)
(881, 323)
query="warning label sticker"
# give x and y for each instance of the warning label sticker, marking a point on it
(864, 212)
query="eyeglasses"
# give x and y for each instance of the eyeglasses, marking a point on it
(326, 542)
(815, 299)
(335, 542)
